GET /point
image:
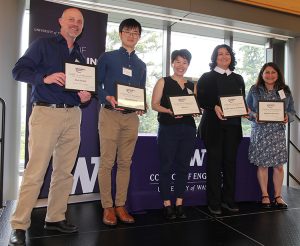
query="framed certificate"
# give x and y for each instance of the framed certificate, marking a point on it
(184, 105)
(270, 111)
(233, 106)
(131, 97)
(80, 77)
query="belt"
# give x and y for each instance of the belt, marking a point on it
(53, 105)
(125, 111)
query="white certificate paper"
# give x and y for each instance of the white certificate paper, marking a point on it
(80, 77)
(184, 105)
(131, 97)
(271, 111)
(233, 106)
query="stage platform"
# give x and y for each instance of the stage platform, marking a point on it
(251, 226)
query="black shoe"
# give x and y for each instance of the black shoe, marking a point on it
(215, 209)
(281, 204)
(230, 206)
(180, 214)
(61, 226)
(169, 213)
(17, 238)
(265, 205)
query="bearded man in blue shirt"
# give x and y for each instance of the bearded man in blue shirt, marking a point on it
(54, 125)
(118, 128)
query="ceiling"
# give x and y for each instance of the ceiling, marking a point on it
(286, 6)
(180, 20)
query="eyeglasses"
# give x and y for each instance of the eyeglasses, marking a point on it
(133, 34)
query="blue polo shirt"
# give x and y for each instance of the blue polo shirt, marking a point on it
(44, 57)
(110, 71)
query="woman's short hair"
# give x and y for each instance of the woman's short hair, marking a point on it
(214, 57)
(184, 53)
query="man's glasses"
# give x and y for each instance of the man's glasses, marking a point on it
(133, 34)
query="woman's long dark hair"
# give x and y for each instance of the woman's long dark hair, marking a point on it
(214, 57)
(279, 83)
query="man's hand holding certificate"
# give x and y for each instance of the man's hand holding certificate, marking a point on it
(130, 97)
(80, 77)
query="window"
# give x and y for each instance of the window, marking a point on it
(201, 49)
(250, 58)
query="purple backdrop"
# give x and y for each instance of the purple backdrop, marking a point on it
(44, 22)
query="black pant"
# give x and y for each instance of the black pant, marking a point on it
(222, 145)
(176, 145)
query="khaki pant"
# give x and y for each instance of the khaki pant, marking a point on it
(118, 134)
(52, 132)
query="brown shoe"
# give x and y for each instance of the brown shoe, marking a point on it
(109, 217)
(123, 215)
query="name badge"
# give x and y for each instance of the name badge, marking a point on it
(190, 91)
(281, 94)
(127, 71)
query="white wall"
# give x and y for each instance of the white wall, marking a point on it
(11, 13)
(293, 77)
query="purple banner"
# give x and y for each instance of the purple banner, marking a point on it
(44, 17)
(144, 191)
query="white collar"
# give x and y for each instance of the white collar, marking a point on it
(222, 71)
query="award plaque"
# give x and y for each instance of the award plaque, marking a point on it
(270, 111)
(80, 77)
(131, 97)
(233, 106)
(184, 105)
